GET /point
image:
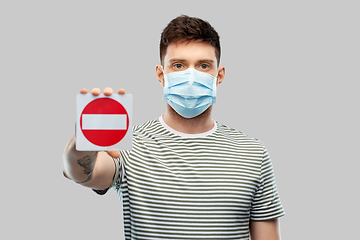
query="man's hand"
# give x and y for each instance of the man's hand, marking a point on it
(90, 168)
(107, 92)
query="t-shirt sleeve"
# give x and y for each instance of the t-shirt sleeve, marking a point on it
(117, 177)
(266, 203)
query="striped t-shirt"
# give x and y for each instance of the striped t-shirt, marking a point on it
(194, 186)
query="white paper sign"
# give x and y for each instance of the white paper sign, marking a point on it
(103, 122)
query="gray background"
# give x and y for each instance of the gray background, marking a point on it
(291, 68)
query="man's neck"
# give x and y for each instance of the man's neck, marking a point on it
(199, 124)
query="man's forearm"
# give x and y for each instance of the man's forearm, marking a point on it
(78, 166)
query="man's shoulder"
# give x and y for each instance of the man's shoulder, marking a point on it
(236, 134)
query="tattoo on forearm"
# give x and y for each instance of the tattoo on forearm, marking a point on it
(88, 164)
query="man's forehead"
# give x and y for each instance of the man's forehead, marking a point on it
(199, 51)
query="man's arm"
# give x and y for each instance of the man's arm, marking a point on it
(91, 169)
(265, 230)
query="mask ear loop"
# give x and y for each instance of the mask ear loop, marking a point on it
(163, 70)
(215, 87)
(165, 82)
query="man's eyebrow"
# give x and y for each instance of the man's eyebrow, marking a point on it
(184, 60)
(206, 61)
(177, 60)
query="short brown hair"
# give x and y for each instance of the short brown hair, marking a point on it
(186, 29)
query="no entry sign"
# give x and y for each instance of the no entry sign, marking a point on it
(103, 122)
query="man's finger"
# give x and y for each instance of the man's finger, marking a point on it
(96, 91)
(108, 91)
(121, 91)
(84, 91)
(114, 153)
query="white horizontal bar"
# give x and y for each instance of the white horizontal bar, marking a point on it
(104, 121)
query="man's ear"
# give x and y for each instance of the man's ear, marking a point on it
(221, 75)
(160, 74)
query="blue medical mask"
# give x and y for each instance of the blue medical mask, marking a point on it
(189, 92)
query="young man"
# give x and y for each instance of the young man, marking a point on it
(187, 177)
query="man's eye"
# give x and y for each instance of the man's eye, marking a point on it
(204, 66)
(178, 66)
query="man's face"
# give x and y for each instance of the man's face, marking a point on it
(195, 54)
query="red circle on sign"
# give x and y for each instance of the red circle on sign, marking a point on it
(104, 138)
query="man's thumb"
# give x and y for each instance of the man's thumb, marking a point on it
(114, 153)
